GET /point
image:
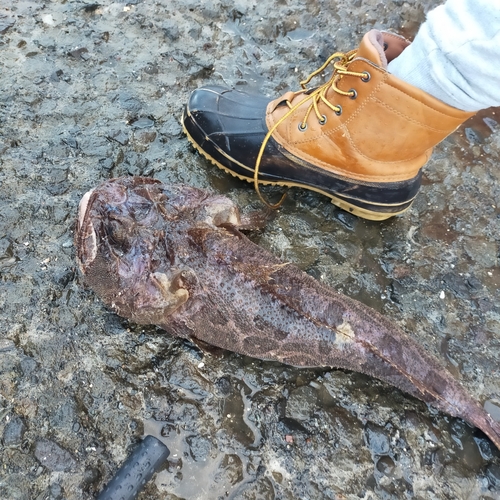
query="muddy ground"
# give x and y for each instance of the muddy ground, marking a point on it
(91, 91)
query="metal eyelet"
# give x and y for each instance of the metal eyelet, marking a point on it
(366, 78)
(323, 120)
(353, 93)
(302, 128)
(339, 112)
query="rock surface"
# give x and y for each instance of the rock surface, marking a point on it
(90, 91)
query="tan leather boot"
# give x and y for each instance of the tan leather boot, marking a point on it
(361, 138)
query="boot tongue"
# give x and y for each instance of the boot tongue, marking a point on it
(372, 48)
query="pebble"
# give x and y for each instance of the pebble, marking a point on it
(14, 432)
(53, 457)
(119, 136)
(143, 122)
(6, 23)
(377, 440)
(493, 409)
(493, 475)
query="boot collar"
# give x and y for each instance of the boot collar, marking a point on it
(381, 47)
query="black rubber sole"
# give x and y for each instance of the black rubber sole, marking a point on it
(369, 208)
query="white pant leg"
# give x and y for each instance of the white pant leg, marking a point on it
(456, 55)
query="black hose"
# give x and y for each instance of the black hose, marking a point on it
(136, 471)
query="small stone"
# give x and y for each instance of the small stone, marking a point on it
(493, 409)
(171, 31)
(119, 136)
(493, 475)
(56, 75)
(199, 448)
(70, 141)
(224, 386)
(386, 465)
(80, 53)
(145, 137)
(6, 23)
(171, 128)
(53, 457)
(129, 102)
(472, 136)
(28, 366)
(347, 219)
(483, 253)
(49, 20)
(377, 440)
(14, 431)
(7, 345)
(59, 181)
(301, 404)
(56, 492)
(106, 163)
(491, 123)
(142, 122)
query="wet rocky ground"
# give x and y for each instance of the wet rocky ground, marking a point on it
(90, 91)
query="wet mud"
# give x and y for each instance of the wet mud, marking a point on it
(90, 91)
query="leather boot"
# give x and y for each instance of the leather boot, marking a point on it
(361, 138)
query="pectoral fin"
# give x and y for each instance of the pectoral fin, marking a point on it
(206, 348)
(173, 294)
(219, 210)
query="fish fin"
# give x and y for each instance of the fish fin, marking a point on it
(208, 348)
(172, 292)
(257, 219)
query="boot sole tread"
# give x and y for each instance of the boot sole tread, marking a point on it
(344, 205)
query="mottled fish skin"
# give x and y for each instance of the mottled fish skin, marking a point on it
(173, 256)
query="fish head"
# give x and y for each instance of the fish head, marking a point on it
(132, 245)
(125, 239)
(112, 219)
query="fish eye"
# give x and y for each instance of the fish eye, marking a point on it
(140, 211)
(117, 236)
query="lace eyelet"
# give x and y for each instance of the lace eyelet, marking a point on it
(302, 128)
(366, 78)
(353, 95)
(323, 120)
(339, 112)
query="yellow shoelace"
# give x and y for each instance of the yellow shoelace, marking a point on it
(340, 62)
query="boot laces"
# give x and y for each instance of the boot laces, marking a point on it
(340, 61)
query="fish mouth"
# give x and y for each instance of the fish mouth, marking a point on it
(82, 207)
(85, 237)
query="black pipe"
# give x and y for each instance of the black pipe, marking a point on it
(136, 471)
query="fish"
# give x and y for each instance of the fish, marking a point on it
(176, 257)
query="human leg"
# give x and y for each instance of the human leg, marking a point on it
(456, 55)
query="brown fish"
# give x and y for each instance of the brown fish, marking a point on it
(173, 256)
